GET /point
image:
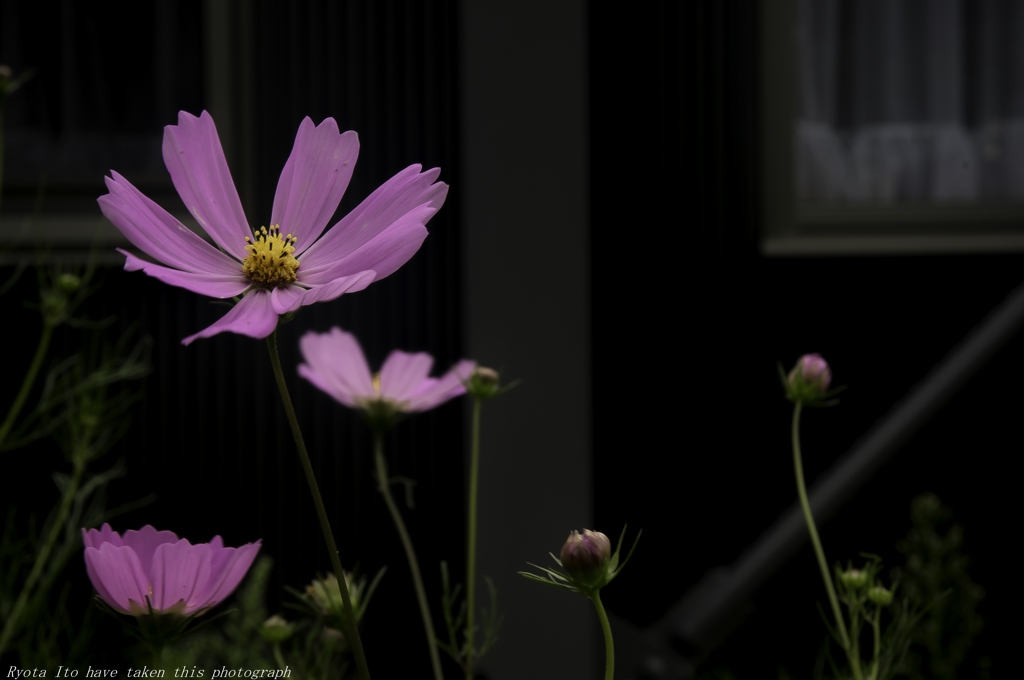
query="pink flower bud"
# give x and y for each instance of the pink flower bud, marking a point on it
(585, 556)
(812, 370)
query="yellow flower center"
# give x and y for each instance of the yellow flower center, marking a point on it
(270, 260)
(376, 385)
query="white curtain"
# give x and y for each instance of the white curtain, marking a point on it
(910, 100)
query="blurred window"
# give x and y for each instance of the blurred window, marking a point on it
(107, 78)
(906, 125)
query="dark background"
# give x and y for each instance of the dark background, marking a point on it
(688, 428)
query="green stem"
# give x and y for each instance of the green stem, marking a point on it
(474, 473)
(410, 553)
(42, 558)
(609, 646)
(822, 564)
(1, 144)
(278, 657)
(878, 642)
(26, 385)
(325, 525)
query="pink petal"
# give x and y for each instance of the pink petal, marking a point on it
(144, 543)
(253, 316)
(403, 373)
(94, 538)
(157, 233)
(231, 565)
(448, 386)
(180, 571)
(314, 179)
(336, 390)
(338, 287)
(121, 574)
(286, 299)
(335, 363)
(195, 159)
(97, 583)
(214, 285)
(384, 254)
(391, 201)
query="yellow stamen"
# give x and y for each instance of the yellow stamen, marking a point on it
(376, 385)
(270, 260)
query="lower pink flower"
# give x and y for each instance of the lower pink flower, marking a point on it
(174, 575)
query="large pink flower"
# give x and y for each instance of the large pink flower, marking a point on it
(283, 266)
(176, 576)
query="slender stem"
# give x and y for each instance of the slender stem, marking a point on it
(822, 564)
(42, 558)
(325, 525)
(474, 473)
(1, 144)
(609, 646)
(410, 553)
(878, 642)
(278, 657)
(26, 385)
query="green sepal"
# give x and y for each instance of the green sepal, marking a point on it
(614, 568)
(538, 579)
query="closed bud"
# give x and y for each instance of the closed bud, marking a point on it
(880, 596)
(808, 381)
(69, 282)
(813, 370)
(333, 636)
(483, 382)
(585, 557)
(485, 376)
(854, 579)
(276, 629)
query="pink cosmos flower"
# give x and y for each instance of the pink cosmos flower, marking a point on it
(177, 577)
(283, 266)
(335, 363)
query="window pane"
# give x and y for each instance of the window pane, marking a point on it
(915, 101)
(108, 77)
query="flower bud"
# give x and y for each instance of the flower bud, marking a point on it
(880, 596)
(813, 370)
(69, 282)
(326, 595)
(809, 380)
(485, 376)
(483, 382)
(854, 579)
(585, 557)
(333, 636)
(276, 629)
